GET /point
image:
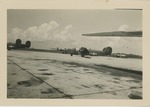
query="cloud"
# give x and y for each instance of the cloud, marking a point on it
(43, 32)
(65, 34)
(67, 28)
(123, 27)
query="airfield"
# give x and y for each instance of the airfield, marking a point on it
(61, 76)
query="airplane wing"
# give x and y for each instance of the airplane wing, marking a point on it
(116, 34)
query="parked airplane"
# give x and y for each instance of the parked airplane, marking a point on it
(18, 45)
(84, 51)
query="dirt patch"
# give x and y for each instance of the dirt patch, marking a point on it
(133, 96)
(13, 73)
(47, 74)
(47, 60)
(99, 86)
(31, 82)
(43, 69)
(116, 82)
(135, 87)
(36, 59)
(24, 83)
(133, 81)
(77, 77)
(86, 69)
(85, 86)
(72, 66)
(69, 70)
(47, 91)
(8, 84)
(23, 69)
(116, 79)
(78, 87)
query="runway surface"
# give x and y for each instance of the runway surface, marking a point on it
(53, 76)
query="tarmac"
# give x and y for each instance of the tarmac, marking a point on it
(44, 75)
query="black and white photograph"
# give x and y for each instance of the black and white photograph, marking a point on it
(74, 54)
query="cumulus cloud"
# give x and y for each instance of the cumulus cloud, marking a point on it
(123, 27)
(67, 28)
(43, 32)
(65, 34)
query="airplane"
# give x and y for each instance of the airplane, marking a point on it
(83, 51)
(18, 45)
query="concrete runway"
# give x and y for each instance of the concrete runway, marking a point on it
(61, 76)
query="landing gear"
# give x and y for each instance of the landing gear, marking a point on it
(82, 55)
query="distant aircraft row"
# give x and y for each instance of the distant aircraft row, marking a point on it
(84, 51)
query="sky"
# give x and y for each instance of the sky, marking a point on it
(62, 28)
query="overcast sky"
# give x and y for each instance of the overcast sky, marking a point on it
(64, 28)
